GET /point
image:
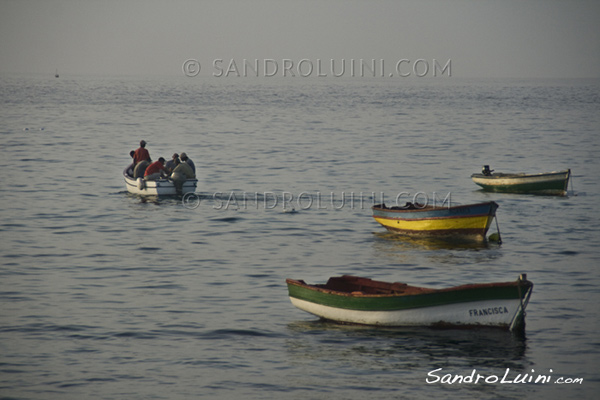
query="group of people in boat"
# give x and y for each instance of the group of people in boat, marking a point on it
(179, 167)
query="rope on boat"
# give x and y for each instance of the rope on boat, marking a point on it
(522, 277)
(521, 295)
(498, 230)
(572, 187)
(523, 300)
(522, 306)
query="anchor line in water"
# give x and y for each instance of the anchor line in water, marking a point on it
(498, 230)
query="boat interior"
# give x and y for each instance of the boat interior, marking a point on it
(407, 206)
(358, 285)
(354, 285)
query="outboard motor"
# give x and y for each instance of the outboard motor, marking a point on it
(486, 170)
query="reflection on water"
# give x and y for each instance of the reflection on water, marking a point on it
(406, 347)
(432, 243)
(158, 200)
(406, 249)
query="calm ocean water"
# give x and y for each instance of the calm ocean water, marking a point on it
(107, 296)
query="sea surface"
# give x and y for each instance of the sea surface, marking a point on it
(106, 295)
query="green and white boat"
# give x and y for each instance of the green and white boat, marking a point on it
(549, 183)
(356, 300)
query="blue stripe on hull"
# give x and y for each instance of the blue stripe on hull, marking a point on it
(441, 212)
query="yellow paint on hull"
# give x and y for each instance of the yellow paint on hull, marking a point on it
(476, 223)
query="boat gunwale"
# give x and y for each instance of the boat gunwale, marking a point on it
(409, 290)
(427, 208)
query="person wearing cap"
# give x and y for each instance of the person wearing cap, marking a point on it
(156, 170)
(185, 159)
(141, 153)
(172, 163)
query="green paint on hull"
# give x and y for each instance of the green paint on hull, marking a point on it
(541, 187)
(403, 302)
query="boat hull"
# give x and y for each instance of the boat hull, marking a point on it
(493, 305)
(552, 183)
(469, 220)
(498, 313)
(161, 187)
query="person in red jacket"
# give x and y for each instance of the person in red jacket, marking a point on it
(141, 153)
(156, 170)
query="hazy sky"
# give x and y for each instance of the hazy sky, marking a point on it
(507, 38)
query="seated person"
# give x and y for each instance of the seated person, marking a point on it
(172, 163)
(186, 159)
(181, 173)
(140, 168)
(129, 169)
(184, 169)
(156, 170)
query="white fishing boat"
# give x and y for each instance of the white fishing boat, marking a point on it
(160, 187)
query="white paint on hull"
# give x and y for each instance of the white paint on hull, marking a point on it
(162, 187)
(499, 313)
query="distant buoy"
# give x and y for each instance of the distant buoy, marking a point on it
(289, 210)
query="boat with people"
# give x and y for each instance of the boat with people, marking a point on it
(548, 183)
(159, 178)
(357, 300)
(160, 187)
(465, 221)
